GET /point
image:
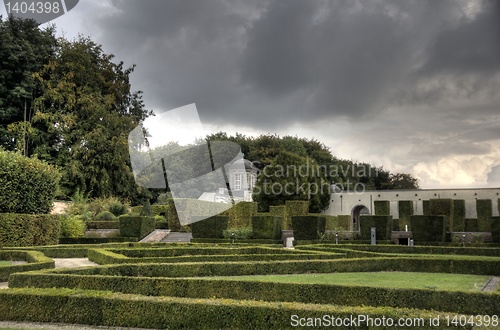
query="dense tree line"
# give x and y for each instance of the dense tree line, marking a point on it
(70, 104)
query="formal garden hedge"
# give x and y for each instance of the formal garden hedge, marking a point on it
(484, 212)
(41, 229)
(308, 227)
(103, 224)
(212, 227)
(495, 229)
(27, 185)
(405, 209)
(35, 261)
(266, 226)
(429, 228)
(353, 295)
(382, 223)
(136, 226)
(114, 309)
(458, 215)
(382, 207)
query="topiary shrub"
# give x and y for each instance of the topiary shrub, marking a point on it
(136, 226)
(382, 223)
(239, 233)
(27, 185)
(458, 215)
(471, 225)
(147, 210)
(105, 215)
(484, 212)
(72, 226)
(344, 222)
(212, 227)
(266, 227)
(382, 207)
(29, 229)
(442, 207)
(495, 229)
(405, 209)
(428, 228)
(309, 227)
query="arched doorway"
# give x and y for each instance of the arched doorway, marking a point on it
(356, 212)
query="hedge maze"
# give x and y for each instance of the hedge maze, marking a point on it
(178, 286)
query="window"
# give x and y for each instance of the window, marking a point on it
(237, 181)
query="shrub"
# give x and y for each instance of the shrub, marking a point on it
(147, 210)
(344, 222)
(308, 227)
(426, 207)
(240, 215)
(442, 207)
(405, 209)
(105, 215)
(484, 213)
(36, 261)
(118, 209)
(136, 226)
(27, 185)
(458, 222)
(428, 228)
(495, 229)
(239, 233)
(266, 227)
(115, 224)
(72, 226)
(212, 227)
(382, 207)
(382, 223)
(471, 225)
(29, 229)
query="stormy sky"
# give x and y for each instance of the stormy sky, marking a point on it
(413, 86)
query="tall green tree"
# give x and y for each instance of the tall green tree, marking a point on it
(24, 50)
(82, 119)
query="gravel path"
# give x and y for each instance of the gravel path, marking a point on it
(492, 284)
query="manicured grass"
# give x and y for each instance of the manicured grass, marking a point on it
(435, 281)
(5, 263)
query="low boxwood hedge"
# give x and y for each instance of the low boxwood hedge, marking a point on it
(114, 309)
(35, 261)
(474, 303)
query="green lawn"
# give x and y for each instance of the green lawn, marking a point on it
(5, 263)
(438, 281)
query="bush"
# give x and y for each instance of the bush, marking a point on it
(405, 209)
(115, 224)
(458, 222)
(344, 222)
(428, 228)
(382, 223)
(240, 215)
(72, 226)
(308, 227)
(442, 207)
(27, 185)
(471, 225)
(382, 207)
(484, 212)
(495, 229)
(136, 226)
(212, 227)
(266, 227)
(105, 215)
(35, 261)
(29, 229)
(147, 210)
(118, 209)
(239, 233)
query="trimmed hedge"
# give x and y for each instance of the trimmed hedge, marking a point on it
(240, 215)
(29, 229)
(103, 224)
(136, 226)
(35, 261)
(281, 211)
(138, 311)
(471, 225)
(495, 229)
(382, 207)
(405, 209)
(96, 240)
(443, 207)
(308, 227)
(484, 212)
(382, 223)
(266, 227)
(458, 223)
(295, 208)
(428, 228)
(426, 207)
(104, 257)
(473, 303)
(212, 227)
(237, 241)
(27, 185)
(344, 222)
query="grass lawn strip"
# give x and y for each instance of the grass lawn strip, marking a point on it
(410, 280)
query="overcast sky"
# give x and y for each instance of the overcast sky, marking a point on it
(413, 86)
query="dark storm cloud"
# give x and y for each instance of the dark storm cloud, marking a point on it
(267, 62)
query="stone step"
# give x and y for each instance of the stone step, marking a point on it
(155, 236)
(175, 237)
